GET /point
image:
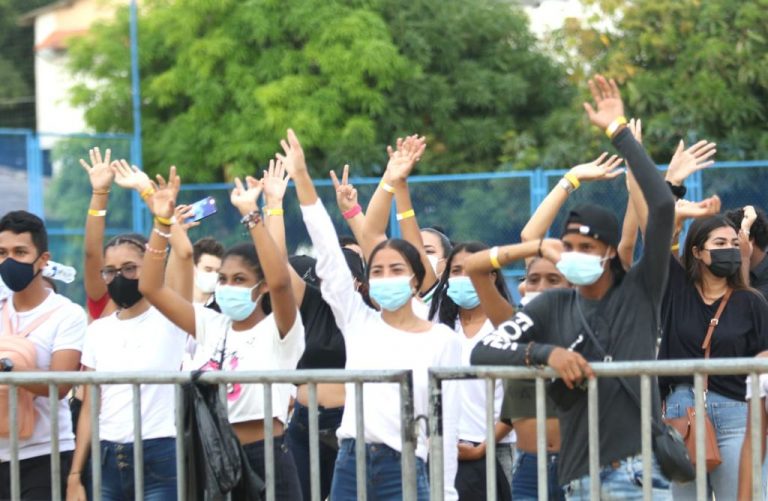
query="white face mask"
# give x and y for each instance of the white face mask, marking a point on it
(529, 296)
(434, 261)
(206, 281)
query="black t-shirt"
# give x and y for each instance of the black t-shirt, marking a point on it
(741, 332)
(324, 345)
(758, 277)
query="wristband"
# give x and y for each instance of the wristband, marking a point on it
(406, 214)
(386, 187)
(614, 126)
(573, 180)
(675, 248)
(148, 192)
(251, 219)
(97, 212)
(354, 211)
(156, 252)
(164, 221)
(678, 191)
(162, 234)
(100, 192)
(528, 354)
(274, 212)
(494, 257)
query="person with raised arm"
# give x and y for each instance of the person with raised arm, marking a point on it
(610, 313)
(243, 337)
(350, 208)
(388, 336)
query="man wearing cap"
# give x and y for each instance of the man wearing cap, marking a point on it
(621, 310)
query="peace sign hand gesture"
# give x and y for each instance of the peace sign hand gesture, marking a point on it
(99, 172)
(346, 194)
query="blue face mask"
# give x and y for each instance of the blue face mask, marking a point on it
(463, 293)
(580, 268)
(235, 302)
(391, 293)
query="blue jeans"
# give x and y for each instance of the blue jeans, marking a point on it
(159, 470)
(729, 418)
(287, 486)
(382, 468)
(622, 482)
(297, 440)
(525, 486)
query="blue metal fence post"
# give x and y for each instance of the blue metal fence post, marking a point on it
(394, 225)
(136, 152)
(35, 193)
(538, 187)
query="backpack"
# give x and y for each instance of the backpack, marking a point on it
(23, 353)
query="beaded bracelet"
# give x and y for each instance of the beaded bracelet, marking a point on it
(251, 219)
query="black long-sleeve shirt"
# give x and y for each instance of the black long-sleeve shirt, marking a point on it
(625, 320)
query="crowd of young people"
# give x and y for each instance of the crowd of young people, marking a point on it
(161, 303)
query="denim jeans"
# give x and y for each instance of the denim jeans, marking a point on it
(729, 418)
(382, 468)
(623, 482)
(297, 439)
(159, 470)
(525, 486)
(287, 486)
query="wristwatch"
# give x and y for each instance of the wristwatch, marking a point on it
(6, 364)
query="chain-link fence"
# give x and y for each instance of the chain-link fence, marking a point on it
(41, 173)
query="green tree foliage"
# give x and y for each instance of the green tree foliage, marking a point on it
(693, 69)
(221, 81)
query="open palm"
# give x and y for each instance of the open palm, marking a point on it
(607, 100)
(130, 177)
(686, 162)
(163, 202)
(293, 159)
(404, 158)
(603, 167)
(275, 181)
(99, 172)
(244, 197)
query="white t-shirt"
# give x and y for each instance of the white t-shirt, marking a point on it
(763, 388)
(472, 393)
(257, 349)
(149, 342)
(64, 330)
(373, 344)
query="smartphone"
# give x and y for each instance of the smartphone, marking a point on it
(203, 208)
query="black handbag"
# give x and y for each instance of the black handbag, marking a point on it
(668, 445)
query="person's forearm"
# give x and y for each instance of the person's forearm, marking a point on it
(409, 227)
(480, 262)
(628, 236)
(181, 266)
(95, 225)
(83, 436)
(498, 348)
(274, 264)
(501, 430)
(274, 220)
(152, 278)
(305, 190)
(377, 217)
(545, 214)
(654, 189)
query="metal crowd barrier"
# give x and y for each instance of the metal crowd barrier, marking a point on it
(313, 377)
(646, 370)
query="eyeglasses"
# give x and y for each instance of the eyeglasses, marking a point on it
(129, 271)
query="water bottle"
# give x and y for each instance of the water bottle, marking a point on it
(60, 272)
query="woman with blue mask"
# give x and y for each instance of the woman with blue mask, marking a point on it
(458, 307)
(243, 337)
(388, 336)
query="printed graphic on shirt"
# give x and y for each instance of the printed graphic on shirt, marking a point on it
(509, 332)
(231, 360)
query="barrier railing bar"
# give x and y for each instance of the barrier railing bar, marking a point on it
(645, 436)
(269, 444)
(360, 460)
(53, 398)
(701, 463)
(181, 485)
(94, 396)
(755, 411)
(408, 430)
(435, 421)
(13, 423)
(138, 446)
(314, 444)
(541, 440)
(490, 440)
(593, 418)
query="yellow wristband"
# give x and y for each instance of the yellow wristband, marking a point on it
(494, 256)
(675, 247)
(97, 212)
(614, 126)
(573, 180)
(274, 212)
(386, 187)
(147, 193)
(406, 214)
(163, 221)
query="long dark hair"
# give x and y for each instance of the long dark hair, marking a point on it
(698, 234)
(409, 253)
(442, 305)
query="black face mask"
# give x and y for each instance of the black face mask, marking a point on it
(17, 276)
(725, 262)
(124, 292)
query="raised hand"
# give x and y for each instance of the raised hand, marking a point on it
(750, 215)
(183, 215)
(608, 101)
(346, 194)
(602, 168)
(163, 202)
(275, 182)
(244, 197)
(552, 249)
(293, 160)
(685, 163)
(130, 177)
(99, 172)
(685, 209)
(403, 159)
(635, 126)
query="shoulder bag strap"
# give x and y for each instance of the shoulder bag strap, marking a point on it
(9, 328)
(707, 344)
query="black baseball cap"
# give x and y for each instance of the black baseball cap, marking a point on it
(304, 266)
(355, 264)
(594, 222)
